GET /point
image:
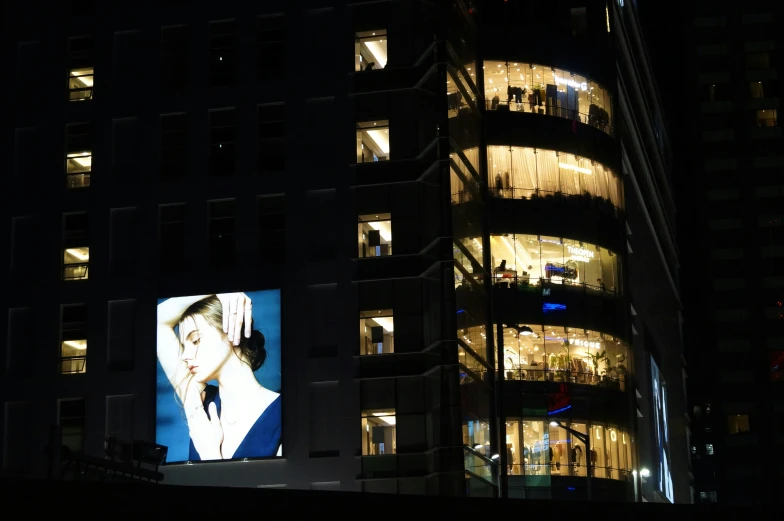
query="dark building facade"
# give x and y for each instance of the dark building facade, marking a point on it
(462, 209)
(730, 199)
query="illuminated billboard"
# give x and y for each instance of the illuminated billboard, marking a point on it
(663, 475)
(218, 393)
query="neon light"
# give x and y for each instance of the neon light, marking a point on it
(551, 306)
(562, 409)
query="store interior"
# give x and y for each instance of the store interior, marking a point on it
(564, 354)
(538, 89)
(546, 447)
(522, 260)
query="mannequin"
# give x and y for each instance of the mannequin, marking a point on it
(499, 184)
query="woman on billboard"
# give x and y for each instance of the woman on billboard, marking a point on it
(201, 339)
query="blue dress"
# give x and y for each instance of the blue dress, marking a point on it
(263, 438)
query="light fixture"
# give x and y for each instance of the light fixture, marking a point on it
(645, 473)
(526, 331)
(553, 424)
(477, 447)
(634, 472)
(495, 456)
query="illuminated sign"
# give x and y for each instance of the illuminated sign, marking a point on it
(585, 343)
(571, 83)
(218, 392)
(580, 254)
(551, 306)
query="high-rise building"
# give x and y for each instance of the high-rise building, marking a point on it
(406, 247)
(730, 201)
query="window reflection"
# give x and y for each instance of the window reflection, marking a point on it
(526, 173)
(523, 87)
(564, 354)
(545, 447)
(370, 50)
(526, 261)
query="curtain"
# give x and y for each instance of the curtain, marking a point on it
(570, 178)
(547, 170)
(523, 172)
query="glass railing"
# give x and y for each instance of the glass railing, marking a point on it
(73, 364)
(479, 465)
(534, 284)
(595, 116)
(75, 271)
(538, 374)
(571, 469)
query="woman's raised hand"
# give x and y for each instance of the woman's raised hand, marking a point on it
(237, 309)
(206, 432)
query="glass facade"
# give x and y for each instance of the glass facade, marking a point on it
(373, 141)
(540, 89)
(526, 261)
(376, 332)
(379, 434)
(543, 448)
(370, 50)
(565, 354)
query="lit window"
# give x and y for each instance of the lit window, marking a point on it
(78, 155)
(375, 235)
(80, 84)
(737, 423)
(579, 21)
(73, 343)
(709, 449)
(373, 141)
(370, 50)
(75, 263)
(376, 332)
(766, 118)
(378, 432)
(756, 89)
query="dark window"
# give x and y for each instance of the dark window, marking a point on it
(172, 236)
(223, 66)
(71, 415)
(579, 20)
(82, 7)
(221, 234)
(223, 136)
(717, 92)
(175, 58)
(777, 365)
(78, 155)
(124, 253)
(758, 60)
(174, 146)
(271, 138)
(271, 47)
(272, 229)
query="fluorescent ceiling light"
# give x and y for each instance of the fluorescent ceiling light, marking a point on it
(384, 228)
(580, 169)
(82, 254)
(383, 417)
(81, 345)
(84, 159)
(386, 323)
(83, 75)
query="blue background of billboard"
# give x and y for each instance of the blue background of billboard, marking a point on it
(170, 426)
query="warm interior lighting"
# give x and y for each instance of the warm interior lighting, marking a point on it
(385, 417)
(384, 229)
(82, 254)
(81, 345)
(83, 76)
(575, 168)
(84, 159)
(381, 138)
(386, 322)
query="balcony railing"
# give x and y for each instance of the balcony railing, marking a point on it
(569, 469)
(75, 271)
(560, 375)
(596, 116)
(73, 364)
(535, 284)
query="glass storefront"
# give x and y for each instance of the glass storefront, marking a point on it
(540, 89)
(526, 172)
(523, 261)
(564, 354)
(547, 448)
